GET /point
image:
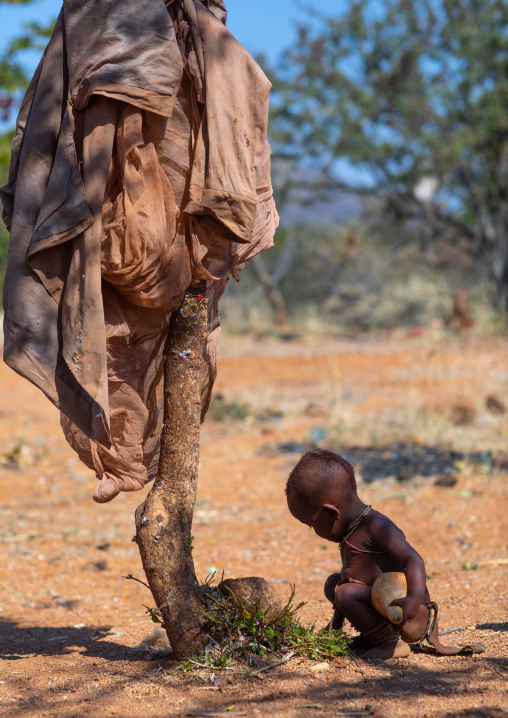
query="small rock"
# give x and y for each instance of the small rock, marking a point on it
(156, 641)
(495, 405)
(404, 474)
(320, 667)
(446, 480)
(462, 413)
(255, 592)
(460, 317)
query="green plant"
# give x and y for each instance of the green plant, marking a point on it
(154, 613)
(221, 409)
(239, 633)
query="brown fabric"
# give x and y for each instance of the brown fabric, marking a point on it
(123, 44)
(352, 580)
(434, 645)
(116, 198)
(385, 634)
(222, 194)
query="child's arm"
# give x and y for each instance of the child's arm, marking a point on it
(385, 534)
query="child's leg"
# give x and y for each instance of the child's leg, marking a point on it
(413, 630)
(330, 585)
(353, 602)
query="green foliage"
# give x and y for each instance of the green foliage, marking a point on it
(13, 81)
(412, 96)
(237, 633)
(154, 613)
(35, 38)
(361, 278)
(13, 77)
(4, 243)
(222, 410)
(14, 457)
(5, 153)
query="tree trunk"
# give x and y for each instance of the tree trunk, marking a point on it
(164, 520)
(273, 295)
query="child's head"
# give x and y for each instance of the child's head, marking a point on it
(320, 481)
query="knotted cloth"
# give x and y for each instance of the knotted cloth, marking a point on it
(139, 161)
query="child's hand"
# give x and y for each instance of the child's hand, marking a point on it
(410, 607)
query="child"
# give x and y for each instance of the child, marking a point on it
(321, 493)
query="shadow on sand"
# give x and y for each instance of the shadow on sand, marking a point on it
(17, 643)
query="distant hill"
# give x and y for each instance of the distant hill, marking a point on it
(305, 199)
(337, 207)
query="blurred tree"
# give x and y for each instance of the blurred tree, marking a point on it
(5, 154)
(13, 82)
(407, 101)
(13, 77)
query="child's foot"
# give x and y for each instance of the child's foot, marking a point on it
(336, 623)
(359, 643)
(394, 650)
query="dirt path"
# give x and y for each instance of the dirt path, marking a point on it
(71, 627)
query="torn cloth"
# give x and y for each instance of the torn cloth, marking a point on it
(139, 161)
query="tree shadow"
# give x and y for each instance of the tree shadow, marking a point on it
(17, 643)
(493, 626)
(399, 686)
(404, 460)
(285, 691)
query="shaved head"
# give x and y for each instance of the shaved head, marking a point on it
(321, 477)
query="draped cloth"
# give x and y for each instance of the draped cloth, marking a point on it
(139, 162)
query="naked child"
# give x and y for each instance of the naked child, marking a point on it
(322, 493)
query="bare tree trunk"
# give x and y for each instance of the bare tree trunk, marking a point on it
(164, 520)
(272, 293)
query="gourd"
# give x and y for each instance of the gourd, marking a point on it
(387, 588)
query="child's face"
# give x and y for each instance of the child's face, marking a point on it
(324, 520)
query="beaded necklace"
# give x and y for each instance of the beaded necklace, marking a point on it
(352, 526)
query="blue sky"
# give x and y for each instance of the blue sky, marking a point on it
(260, 25)
(266, 26)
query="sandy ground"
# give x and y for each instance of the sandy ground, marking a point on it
(71, 626)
